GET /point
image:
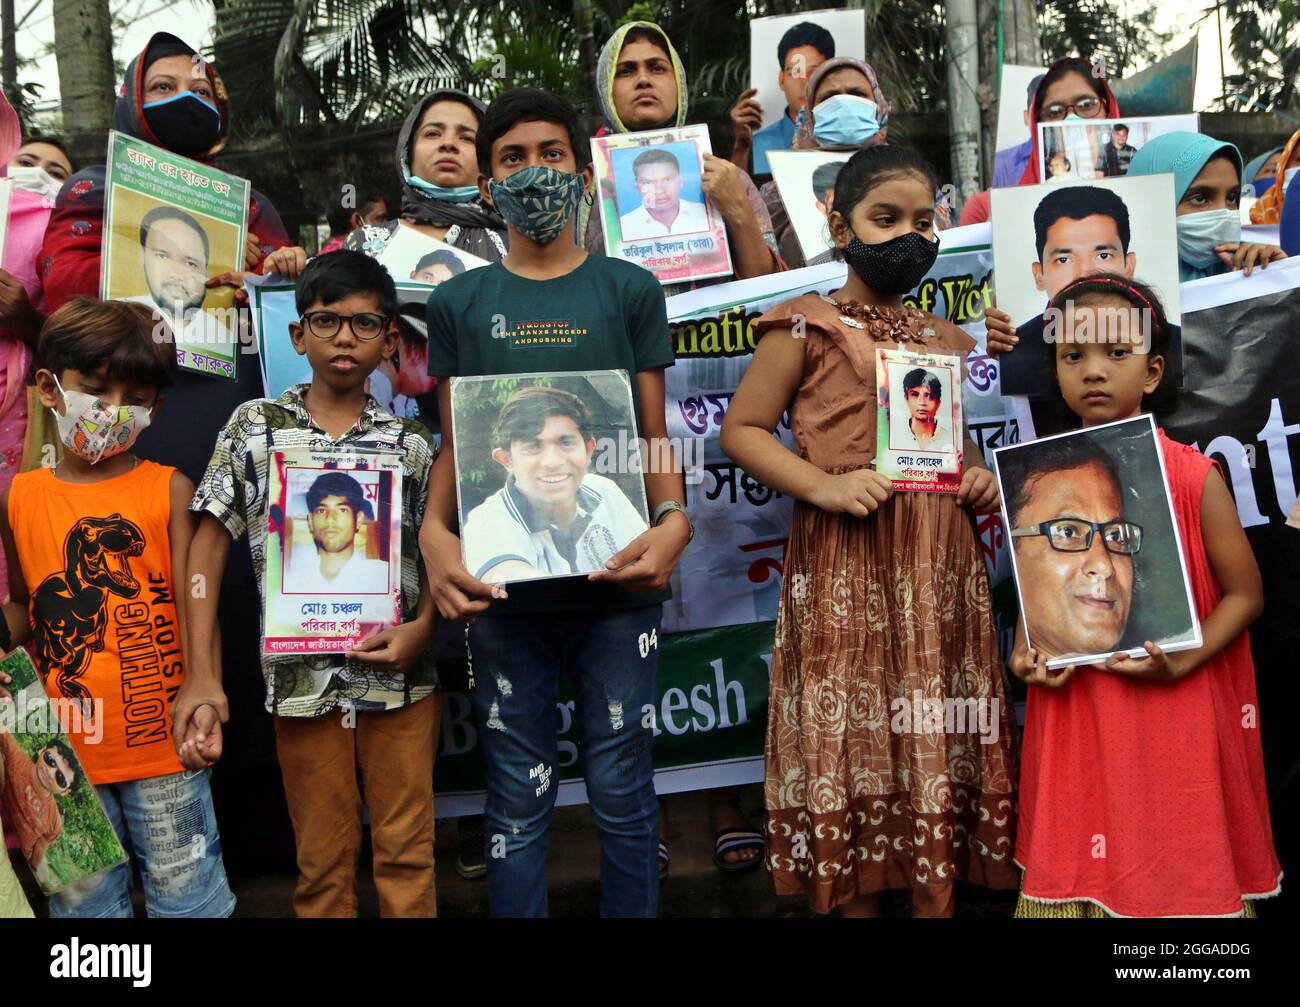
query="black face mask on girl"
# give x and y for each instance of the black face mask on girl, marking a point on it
(184, 123)
(894, 266)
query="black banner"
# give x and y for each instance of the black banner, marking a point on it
(1241, 405)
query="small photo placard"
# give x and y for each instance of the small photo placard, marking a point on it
(333, 549)
(919, 433)
(652, 203)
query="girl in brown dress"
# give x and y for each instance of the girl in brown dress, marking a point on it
(872, 782)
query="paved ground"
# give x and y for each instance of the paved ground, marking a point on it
(262, 874)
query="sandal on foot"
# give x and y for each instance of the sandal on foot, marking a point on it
(734, 840)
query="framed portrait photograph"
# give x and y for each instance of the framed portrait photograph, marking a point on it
(1101, 148)
(806, 181)
(51, 807)
(549, 473)
(171, 224)
(1047, 236)
(333, 549)
(1095, 548)
(414, 257)
(652, 203)
(919, 426)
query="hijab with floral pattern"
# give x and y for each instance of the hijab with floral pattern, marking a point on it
(607, 64)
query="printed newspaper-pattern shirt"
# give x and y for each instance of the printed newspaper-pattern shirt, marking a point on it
(234, 491)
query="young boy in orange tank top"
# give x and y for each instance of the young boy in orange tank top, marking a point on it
(97, 546)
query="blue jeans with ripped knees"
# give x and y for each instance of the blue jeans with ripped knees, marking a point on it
(516, 662)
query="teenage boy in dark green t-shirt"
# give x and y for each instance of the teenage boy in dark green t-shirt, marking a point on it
(549, 306)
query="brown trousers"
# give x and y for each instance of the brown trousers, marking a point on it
(392, 752)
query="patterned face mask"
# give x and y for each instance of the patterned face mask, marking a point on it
(894, 266)
(93, 429)
(537, 201)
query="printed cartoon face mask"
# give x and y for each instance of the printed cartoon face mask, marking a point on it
(93, 429)
(537, 201)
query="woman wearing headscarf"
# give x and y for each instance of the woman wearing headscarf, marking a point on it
(1070, 91)
(1261, 170)
(437, 168)
(1268, 210)
(642, 85)
(166, 103)
(844, 109)
(1207, 192)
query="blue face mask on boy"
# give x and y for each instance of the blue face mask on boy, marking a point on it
(845, 120)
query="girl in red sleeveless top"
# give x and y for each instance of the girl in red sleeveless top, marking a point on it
(1142, 780)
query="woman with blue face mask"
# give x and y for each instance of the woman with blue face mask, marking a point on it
(1260, 171)
(1207, 186)
(1268, 210)
(437, 169)
(844, 109)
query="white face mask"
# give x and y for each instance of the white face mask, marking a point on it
(1286, 179)
(1199, 233)
(35, 179)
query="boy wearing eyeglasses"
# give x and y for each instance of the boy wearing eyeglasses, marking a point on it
(371, 713)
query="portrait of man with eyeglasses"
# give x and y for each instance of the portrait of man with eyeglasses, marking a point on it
(1074, 547)
(1097, 560)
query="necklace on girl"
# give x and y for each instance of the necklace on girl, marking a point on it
(857, 315)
